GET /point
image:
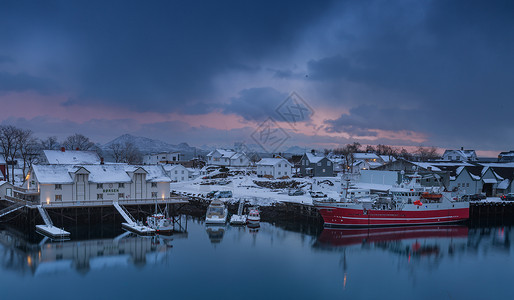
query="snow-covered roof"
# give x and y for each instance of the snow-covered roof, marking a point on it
(365, 156)
(314, 158)
(172, 167)
(223, 152)
(426, 166)
(272, 161)
(68, 157)
(504, 184)
(53, 174)
(237, 156)
(155, 173)
(463, 153)
(387, 158)
(109, 173)
(489, 180)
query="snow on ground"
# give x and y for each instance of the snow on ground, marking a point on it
(244, 187)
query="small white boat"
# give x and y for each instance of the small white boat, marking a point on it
(160, 223)
(216, 213)
(254, 216)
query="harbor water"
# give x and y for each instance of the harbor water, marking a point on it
(281, 261)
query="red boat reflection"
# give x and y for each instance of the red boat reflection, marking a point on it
(346, 237)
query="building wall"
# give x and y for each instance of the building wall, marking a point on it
(109, 191)
(465, 184)
(152, 159)
(179, 173)
(275, 171)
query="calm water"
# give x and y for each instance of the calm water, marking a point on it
(452, 262)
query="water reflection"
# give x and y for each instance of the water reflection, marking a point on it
(49, 256)
(215, 233)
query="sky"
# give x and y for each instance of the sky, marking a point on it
(273, 73)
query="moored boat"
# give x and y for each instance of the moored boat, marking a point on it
(254, 216)
(216, 213)
(408, 204)
(160, 223)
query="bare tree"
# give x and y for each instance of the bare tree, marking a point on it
(348, 152)
(29, 149)
(131, 154)
(427, 153)
(117, 152)
(50, 143)
(78, 141)
(8, 144)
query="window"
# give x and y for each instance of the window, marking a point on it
(278, 172)
(58, 197)
(285, 173)
(241, 160)
(99, 186)
(319, 164)
(323, 170)
(121, 195)
(176, 172)
(280, 165)
(99, 196)
(121, 185)
(182, 171)
(154, 184)
(467, 184)
(58, 186)
(182, 177)
(154, 194)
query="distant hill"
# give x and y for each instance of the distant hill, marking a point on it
(148, 146)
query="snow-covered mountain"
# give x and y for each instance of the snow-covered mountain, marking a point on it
(147, 146)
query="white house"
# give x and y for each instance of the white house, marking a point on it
(6, 189)
(55, 184)
(459, 155)
(274, 167)
(227, 158)
(177, 173)
(70, 157)
(161, 158)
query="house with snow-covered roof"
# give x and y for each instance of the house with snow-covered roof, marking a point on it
(506, 156)
(315, 165)
(177, 173)
(100, 184)
(459, 155)
(227, 158)
(70, 157)
(161, 158)
(274, 167)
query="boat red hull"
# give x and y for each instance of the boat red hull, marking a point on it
(337, 216)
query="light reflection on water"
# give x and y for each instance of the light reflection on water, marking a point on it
(282, 261)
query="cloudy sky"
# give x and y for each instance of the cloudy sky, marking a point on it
(406, 73)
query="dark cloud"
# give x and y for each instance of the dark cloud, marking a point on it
(443, 68)
(23, 82)
(154, 56)
(256, 104)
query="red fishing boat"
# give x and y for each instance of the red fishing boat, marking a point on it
(407, 204)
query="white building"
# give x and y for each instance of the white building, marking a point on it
(55, 184)
(460, 155)
(70, 157)
(177, 173)
(161, 158)
(227, 158)
(274, 167)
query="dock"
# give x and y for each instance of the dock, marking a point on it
(130, 223)
(49, 229)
